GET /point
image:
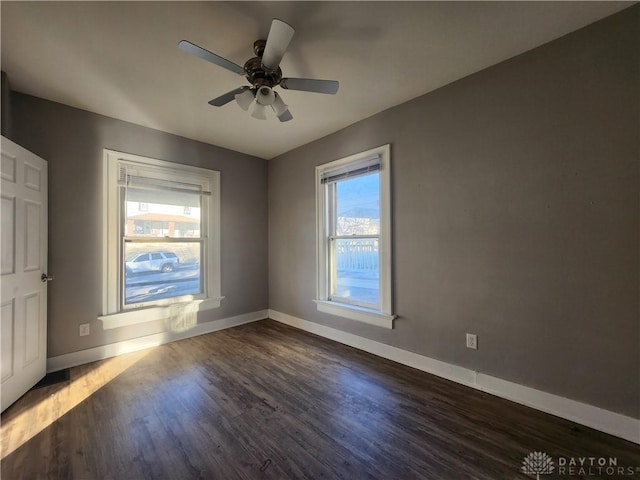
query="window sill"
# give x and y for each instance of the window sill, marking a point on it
(360, 314)
(151, 314)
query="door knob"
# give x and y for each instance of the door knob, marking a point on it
(46, 278)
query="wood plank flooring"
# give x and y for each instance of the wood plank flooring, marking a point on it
(267, 401)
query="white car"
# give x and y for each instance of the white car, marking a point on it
(151, 261)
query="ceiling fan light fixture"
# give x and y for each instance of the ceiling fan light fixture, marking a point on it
(281, 109)
(258, 111)
(278, 105)
(245, 99)
(265, 96)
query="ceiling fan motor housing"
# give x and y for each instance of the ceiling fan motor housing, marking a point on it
(257, 74)
(258, 47)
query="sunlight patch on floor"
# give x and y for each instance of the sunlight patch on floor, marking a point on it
(21, 425)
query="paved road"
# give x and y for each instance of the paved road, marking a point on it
(147, 287)
(185, 280)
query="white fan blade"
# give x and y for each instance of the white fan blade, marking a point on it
(285, 117)
(227, 97)
(194, 49)
(310, 85)
(278, 40)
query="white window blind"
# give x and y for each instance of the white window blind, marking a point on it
(372, 164)
(151, 179)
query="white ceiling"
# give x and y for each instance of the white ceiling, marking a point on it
(121, 59)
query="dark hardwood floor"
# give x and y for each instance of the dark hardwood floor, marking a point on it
(268, 401)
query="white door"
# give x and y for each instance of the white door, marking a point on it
(23, 248)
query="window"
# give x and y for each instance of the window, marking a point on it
(162, 230)
(354, 237)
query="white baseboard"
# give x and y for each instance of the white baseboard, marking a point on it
(111, 350)
(604, 420)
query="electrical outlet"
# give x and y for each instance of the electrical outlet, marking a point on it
(472, 341)
(84, 329)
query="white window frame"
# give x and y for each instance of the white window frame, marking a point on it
(382, 316)
(115, 314)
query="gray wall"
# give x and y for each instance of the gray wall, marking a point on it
(5, 105)
(515, 204)
(72, 141)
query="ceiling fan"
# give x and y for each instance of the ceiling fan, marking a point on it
(263, 73)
